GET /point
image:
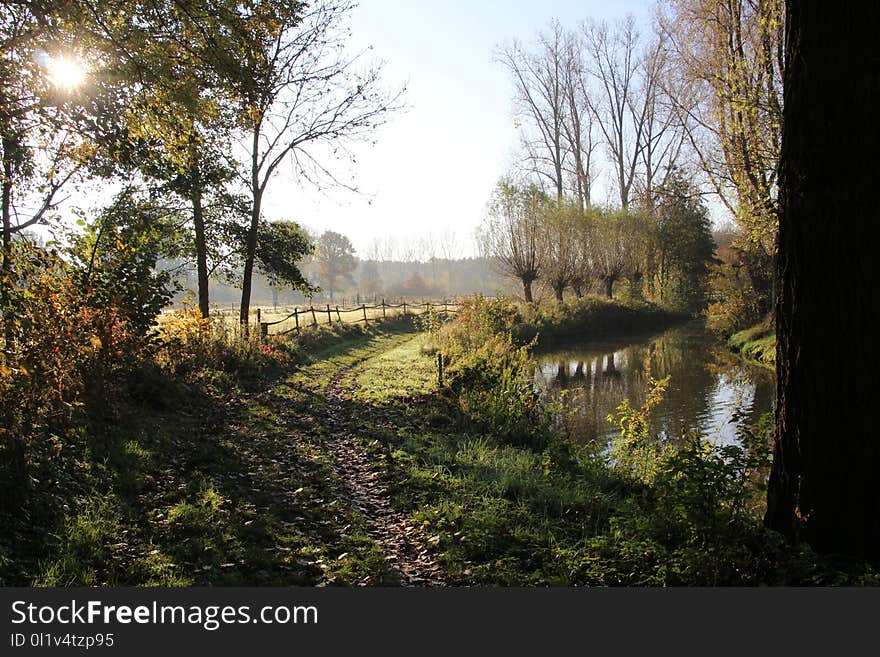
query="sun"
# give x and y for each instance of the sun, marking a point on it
(66, 73)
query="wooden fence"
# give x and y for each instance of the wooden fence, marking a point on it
(312, 316)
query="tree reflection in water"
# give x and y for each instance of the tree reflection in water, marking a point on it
(708, 390)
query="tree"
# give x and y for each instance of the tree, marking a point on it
(611, 247)
(578, 122)
(178, 123)
(298, 92)
(41, 150)
(584, 253)
(280, 249)
(335, 259)
(685, 244)
(559, 245)
(729, 58)
(540, 81)
(620, 113)
(511, 233)
(822, 486)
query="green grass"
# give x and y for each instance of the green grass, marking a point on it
(218, 479)
(757, 343)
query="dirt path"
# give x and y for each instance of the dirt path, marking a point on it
(404, 543)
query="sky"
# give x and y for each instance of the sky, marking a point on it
(434, 164)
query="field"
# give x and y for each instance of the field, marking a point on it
(279, 320)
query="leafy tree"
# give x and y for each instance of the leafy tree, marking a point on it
(335, 261)
(611, 247)
(281, 247)
(684, 243)
(41, 150)
(511, 233)
(559, 246)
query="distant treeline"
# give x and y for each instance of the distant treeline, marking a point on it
(436, 278)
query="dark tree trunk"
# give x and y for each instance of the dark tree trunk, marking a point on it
(827, 454)
(609, 286)
(527, 290)
(559, 291)
(251, 246)
(6, 257)
(201, 250)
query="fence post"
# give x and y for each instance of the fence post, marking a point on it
(338, 316)
(314, 319)
(365, 313)
(440, 369)
(296, 318)
(404, 306)
(383, 307)
(260, 324)
(329, 317)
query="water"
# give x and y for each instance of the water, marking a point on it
(709, 390)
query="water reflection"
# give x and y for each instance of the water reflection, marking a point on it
(708, 390)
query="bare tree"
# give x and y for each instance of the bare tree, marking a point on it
(578, 122)
(663, 134)
(511, 234)
(615, 62)
(539, 80)
(300, 91)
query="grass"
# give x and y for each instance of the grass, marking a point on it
(351, 315)
(757, 343)
(220, 480)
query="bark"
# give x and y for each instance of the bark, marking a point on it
(6, 264)
(822, 487)
(251, 245)
(527, 290)
(201, 250)
(609, 285)
(559, 290)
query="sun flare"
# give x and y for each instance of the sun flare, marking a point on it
(66, 73)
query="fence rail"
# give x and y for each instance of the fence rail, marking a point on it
(314, 316)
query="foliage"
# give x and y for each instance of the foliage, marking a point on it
(511, 234)
(80, 326)
(334, 256)
(685, 245)
(634, 452)
(494, 378)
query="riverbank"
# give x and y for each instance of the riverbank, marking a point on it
(590, 317)
(756, 344)
(340, 460)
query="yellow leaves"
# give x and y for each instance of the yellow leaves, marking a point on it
(95, 341)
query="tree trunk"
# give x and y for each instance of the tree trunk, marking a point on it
(201, 249)
(559, 290)
(527, 290)
(251, 246)
(609, 285)
(822, 486)
(250, 254)
(6, 263)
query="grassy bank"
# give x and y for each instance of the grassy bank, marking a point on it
(510, 502)
(757, 344)
(586, 318)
